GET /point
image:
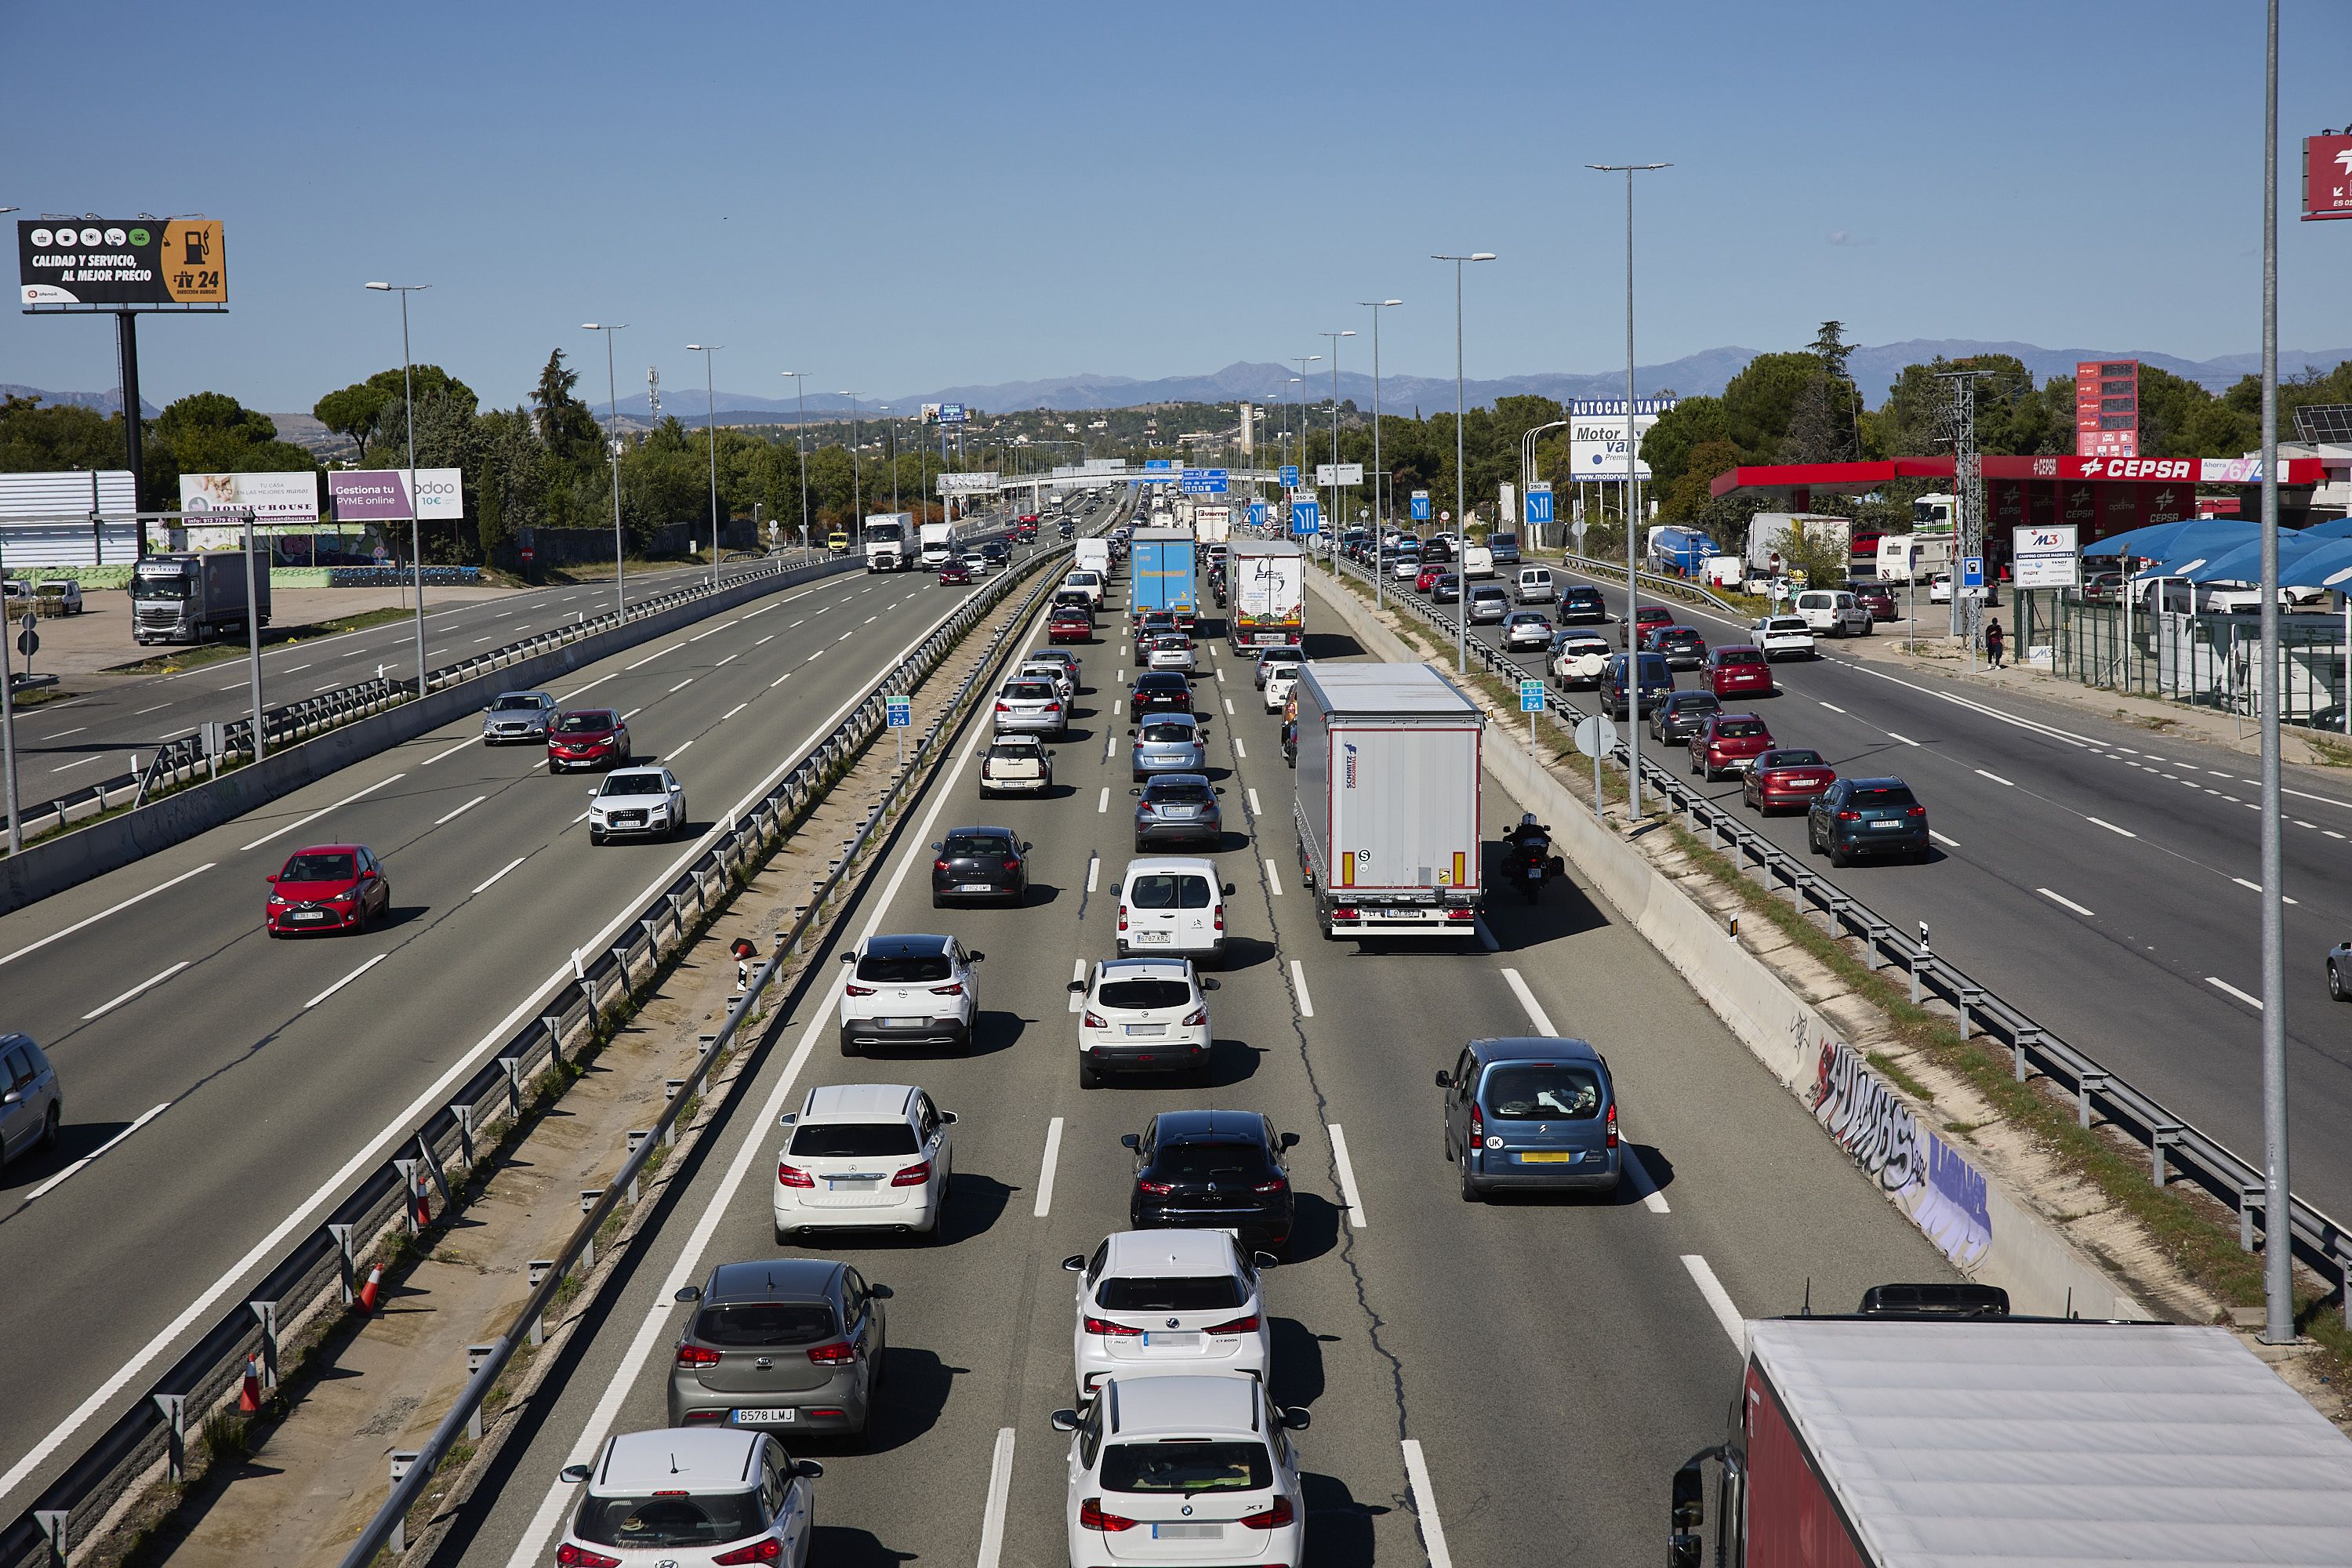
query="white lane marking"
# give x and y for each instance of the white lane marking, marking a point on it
(713, 631)
(579, 819)
(450, 752)
(1239, 750)
(2100, 822)
(2331, 833)
(63, 733)
(1094, 871)
(1110, 744)
(1298, 983)
(677, 751)
(1255, 810)
(765, 640)
(346, 980)
(871, 619)
(143, 987)
(1904, 738)
(112, 910)
(2217, 773)
(779, 680)
(2133, 750)
(320, 812)
(814, 657)
(1831, 706)
(679, 687)
(1118, 706)
(847, 635)
(1719, 1299)
(1045, 1169)
(329, 687)
(797, 625)
(144, 711)
(1486, 939)
(2301, 823)
(1229, 707)
(728, 660)
(1645, 1184)
(579, 691)
(2257, 887)
(1947, 842)
(237, 686)
(1000, 1489)
(1347, 1193)
(732, 711)
(51, 1184)
(1120, 676)
(1995, 778)
(1536, 1014)
(653, 656)
(631, 714)
(2219, 984)
(1425, 1505)
(1104, 803)
(2065, 903)
(445, 821)
(1077, 973)
(1274, 878)
(70, 765)
(510, 865)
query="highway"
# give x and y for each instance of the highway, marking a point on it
(234, 1087)
(2097, 875)
(1509, 1381)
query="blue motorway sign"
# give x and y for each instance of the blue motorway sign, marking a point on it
(1532, 696)
(1421, 506)
(1306, 517)
(898, 712)
(1290, 476)
(1538, 503)
(1258, 514)
(1157, 463)
(1204, 481)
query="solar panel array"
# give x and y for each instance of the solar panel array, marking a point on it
(2325, 422)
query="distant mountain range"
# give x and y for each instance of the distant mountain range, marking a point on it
(108, 401)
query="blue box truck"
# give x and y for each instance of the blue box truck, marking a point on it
(1159, 571)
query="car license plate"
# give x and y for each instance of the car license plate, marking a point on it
(1167, 1342)
(1180, 1532)
(1535, 873)
(1154, 938)
(1881, 826)
(311, 915)
(974, 888)
(1547, 1157)
(1147, 1028)
(770, 1415)
(852, 1183)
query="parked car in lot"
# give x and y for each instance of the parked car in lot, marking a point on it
(1167, 742)
(1939, 588)
(1171, 1458)
(31, 1106)
(1785, 636)
(1578, 659)
(1726, 743)
(1786, 776)
(1681, 647)
(1016, 765)
(586, 738)
(1858, 818)
(1178, 808)
(1142, 1015)
(1169, 1300)
(915, 990)
(1582, 604)
(716, 1494)
(1524, 629)
(1172, 904)
(648, 802)
(1160, 691)
(1875, 597)
(865, 1156)
(792, 1343)
(1682, 715)
(1531, 1112)
(59, 596)
(1656, 679)
(1214, 1170)
(515, 717)
(1644, 618)
(1738, 670)
(327, 887)
(971, 863)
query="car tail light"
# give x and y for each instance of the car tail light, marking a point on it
(1238, 1326)
(704, 1417)
(792, 1176)
(1275, 1186)
(1477, 1124)
(768, 1551)
(1053, 708)
(1197, 1016)
(1464, 913)
(952, 990)
(1122, 917)
(1344, 912)
(1094, 1020)
(914, 1175)
(1157, 1189)
(860, 990)
(1849, 816)
(1612, 1137)
(938, 865)
(570, 1556)
(1092, 1517)
(1001, 708)
(1914, 811)
(1145, 809)
(841, 1352)
(696, 1355)
(1109, 1329)
(1013, 865)
(1273, 1518)
(1217, 920)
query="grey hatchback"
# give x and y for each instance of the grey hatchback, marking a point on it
(518, 716)
(30, 1110)
(1531, 1111)
(1178, 808)
(1169, 744)
(787, 1342)
(1682, 715)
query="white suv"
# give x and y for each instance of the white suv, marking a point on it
(692, 1496)
(910, 991)
(1169, 1300)
(647, 801)
(1142, 1015)
(1203, 1466)
(865, 1156)
(1834, 611)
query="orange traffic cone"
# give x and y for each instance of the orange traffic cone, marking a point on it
(248, 1398)
(368, 1291)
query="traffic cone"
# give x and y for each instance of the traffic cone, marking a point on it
(368, 1291)
(248, 1398)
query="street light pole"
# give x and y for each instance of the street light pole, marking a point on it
(1461, 512)
(800, 445)
(710, 427)
(613, 441)
(1380, 507)
(2278, 1215)
(1299, 381)
(856, 475)
(1330, 535)
(1633, 506)
(415, 535)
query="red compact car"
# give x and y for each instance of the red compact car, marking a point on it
(327, 887)
(1738, 671)
(1070, 626)
(1647, 616)
(586, 738)
(1786, 776)
(1431, 572)
(1725, 741)
(955, 574)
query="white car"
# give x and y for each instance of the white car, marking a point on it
(1170, 651)
(1203, 1466)
(1016, 765)
(975, 562)
(1142, 1015)
(865, 1156)
(646, 802)
(1834, 611)
(1273, 659)
(1939, 588)
(910, 991)
(692, 1496)
(1785, 636)
(1053, 669)
(1090, 583)
(1280, 686)
(1169, 1300)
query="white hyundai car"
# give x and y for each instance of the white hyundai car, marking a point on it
(1169, 1300)
(1785, 636)
(1182, 1468)
(865, 1156)
(910, 991)
(646, 802)
(1142, 1015)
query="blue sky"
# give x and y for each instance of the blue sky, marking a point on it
(899, 200)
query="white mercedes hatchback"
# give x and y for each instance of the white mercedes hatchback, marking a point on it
(1142, 1015)
(1169, 1300)
(913, 990)
(1183, 1469)
(865, 1156)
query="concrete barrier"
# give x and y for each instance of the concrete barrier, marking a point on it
(57, 863)
(1965, 1213)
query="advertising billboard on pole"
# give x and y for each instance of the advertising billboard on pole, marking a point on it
(2045, 557)
(276, 500)
(381, 495)
(2107, 408)
(121, 264)
(2326, 176)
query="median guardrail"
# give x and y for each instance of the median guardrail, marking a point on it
(2175, 1143)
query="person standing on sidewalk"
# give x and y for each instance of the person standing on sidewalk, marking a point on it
(1992, 641)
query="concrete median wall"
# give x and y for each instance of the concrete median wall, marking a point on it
(55, 864)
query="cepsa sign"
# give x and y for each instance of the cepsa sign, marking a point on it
(114, 264)
(2326, 177)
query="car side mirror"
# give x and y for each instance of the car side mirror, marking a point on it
(948, 1118)
(788, 1120)
(1290, 1139)
(1131, 1141)
(11, 1097)
(1265, 1260)
(1218, 789)
(1065, 1420)
(273, 876)
(808, 1469)
(848, 958)
(937, 846)
(1209, 985)
(576, 1474)
(1130, 729)
(881, 1292)
(1296, 1417)
(687, 1293)
(1135, 792)
(1444, 1080)
(1074, 1263)
(975, 958)
(1228, 889)
(1688, 1516)
(1078, 987)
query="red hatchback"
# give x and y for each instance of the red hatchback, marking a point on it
(1786, 776)
(586, 738)
(1428, 576)
(1644, 618)
(327, 887)
(1070, 626)
(955, 574)
(1738, 671)
(1727, 740)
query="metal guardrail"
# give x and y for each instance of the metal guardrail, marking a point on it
(323, 1272)
(2173, 1140)
(1675, 587)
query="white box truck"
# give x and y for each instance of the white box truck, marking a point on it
(1773, 535)
(1212, 522)
(886, 540)
(1093, 555)
(939, 543)
(1267, 592)
(1387, 812)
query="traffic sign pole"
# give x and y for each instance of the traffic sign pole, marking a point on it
(8, 746)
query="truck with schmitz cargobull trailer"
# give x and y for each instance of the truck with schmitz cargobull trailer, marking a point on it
(1265, 594)
(1931, 1429)
(196, 595)
(1387, 811)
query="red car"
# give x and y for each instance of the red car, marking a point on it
(1877, 598)
(1738, 670)
(327, 887)
(1431, 572)
(1070, 626)
(586, 738)
(1786, 776)
(1644, 618)
(1725, 741)
(955, 574)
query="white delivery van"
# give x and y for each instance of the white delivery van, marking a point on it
(1175, 905)
(1093, 555)
(1833, 612)
(1534, 586)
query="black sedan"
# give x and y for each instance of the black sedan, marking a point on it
(1160, 691)
(977, 863)
(1219, 1170)
(1178, 808)
(1579, 603)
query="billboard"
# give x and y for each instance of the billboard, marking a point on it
(2107, 408)
(1332, 474)
(1597, 444)
(2326, 176)
(2045, 558)
(943, 414)
(278, 499)
(381, 495)
(121, 264)
(985, 482)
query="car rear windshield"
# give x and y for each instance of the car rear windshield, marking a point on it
(1210, 1162)
(1740, 728)
(764, 1324)
(1580, 595)
(1184, 794)
(969, 844)
(583, 724)
(1169, 890)
(1012, 751)
(1739, 655)
(898, 968)
(1884, 796)
(1694, 703)
(1144, 996)
(1678, 635)
(1488, 592)
(708, 1518)
(1164, 681)
(1029, 690)
(853, 1140)
(1186, 1467)
(633, 783)
(1793, 757)
(1531, 1091)
(1218, 1293)
(1786, 624)
(1165, 731)
(318, 869)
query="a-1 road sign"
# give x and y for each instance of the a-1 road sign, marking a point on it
(898, 712)
(1538, 502)
(1421, 506)
(1306, 517)
(1532, 696)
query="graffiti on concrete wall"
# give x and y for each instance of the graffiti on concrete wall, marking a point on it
(1923, 1175)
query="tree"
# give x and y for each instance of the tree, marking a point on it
(1673, 445)
(1758, 402)
(566, 427)
(361, 411)
(35, 439)
(354, 412)
(213, 432)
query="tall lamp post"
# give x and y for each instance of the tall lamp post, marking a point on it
(1330, 535)
(1461, 514)
(1380, 507)
(2278, 1214)
(856, 474)
(1632, 499)
(613, 441)
(711, 426)
(800, 444)
(1299, 381)
(416, 536)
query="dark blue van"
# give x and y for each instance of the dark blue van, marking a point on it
(1533, 1112)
